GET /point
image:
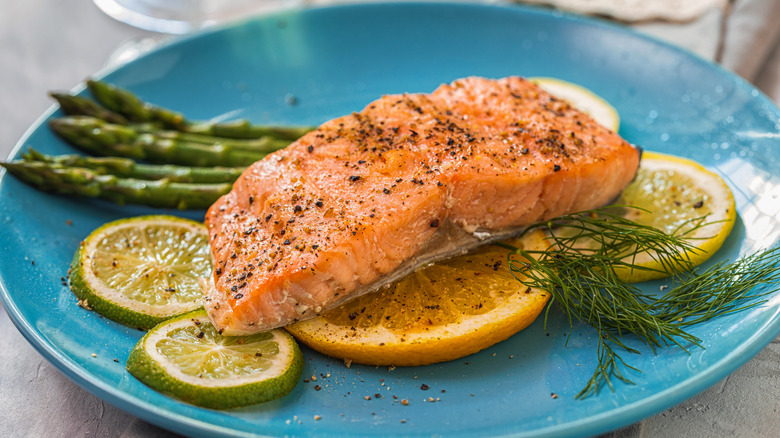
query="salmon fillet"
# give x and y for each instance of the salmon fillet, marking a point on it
(412, 178)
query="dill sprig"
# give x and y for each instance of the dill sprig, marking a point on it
(578, 270)
(720, 290)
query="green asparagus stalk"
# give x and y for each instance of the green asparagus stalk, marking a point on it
(76, 181)
(136, 110)
(261, 144)
(82, 106)
(244, 129)
(96, 127)
(127, 168)
(101, 138)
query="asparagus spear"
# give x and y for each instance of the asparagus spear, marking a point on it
(244, 129)
(129, 105)
(95, 127)
(261, 144)
(136, 110)
(82, 106)
(102, 138)
(127, 168)
(76, 181)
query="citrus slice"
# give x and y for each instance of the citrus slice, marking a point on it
(440, 312)
(583, 99)
(187, 358)
(677, 196)
(142, 270)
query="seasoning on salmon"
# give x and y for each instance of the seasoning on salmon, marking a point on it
(412, 178)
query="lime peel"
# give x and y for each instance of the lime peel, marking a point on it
(212, 371)
(140, 271)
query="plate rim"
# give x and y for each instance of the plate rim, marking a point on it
(627, 414)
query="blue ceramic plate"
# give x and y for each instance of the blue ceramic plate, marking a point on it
(334, 61)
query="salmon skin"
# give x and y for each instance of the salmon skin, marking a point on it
(366, 198)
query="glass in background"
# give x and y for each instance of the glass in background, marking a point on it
(183, 16)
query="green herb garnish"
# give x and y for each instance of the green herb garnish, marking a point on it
(582, 281)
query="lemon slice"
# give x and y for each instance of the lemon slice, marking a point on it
(583, 99)
(143, 270)
(675, 192)
(439, 313)
(187, 358)
(676, 196)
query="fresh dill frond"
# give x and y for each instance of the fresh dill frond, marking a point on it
(722, 289)
(578, 270)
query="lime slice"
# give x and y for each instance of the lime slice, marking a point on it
(583, 99)
(143, 270)
(187, 358)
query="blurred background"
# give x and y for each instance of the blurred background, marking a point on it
(53, 45)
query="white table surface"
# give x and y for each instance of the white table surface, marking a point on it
(47, 45)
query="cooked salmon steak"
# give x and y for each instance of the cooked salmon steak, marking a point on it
(413, 178)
